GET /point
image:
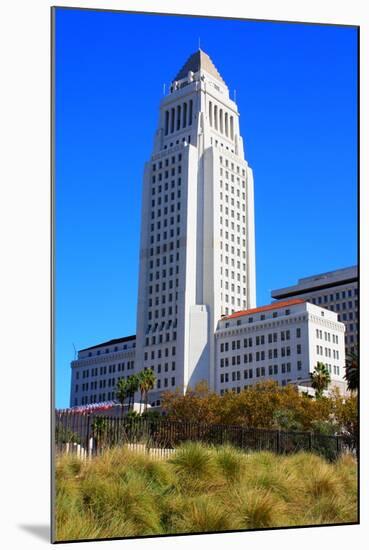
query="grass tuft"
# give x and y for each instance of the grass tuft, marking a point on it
(199, 489)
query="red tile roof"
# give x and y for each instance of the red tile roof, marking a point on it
(274, 305)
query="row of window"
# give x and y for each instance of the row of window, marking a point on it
(97, 398)
(227, 221)
(95, 371)
(171, 271)
(163, 325)
(109, 350)
(164, 298)
(171, 258)
(166, 247)
(230, 186)
(166, 198)
(227, 211)
(171, 209)
(221, 144)
(164, 176)
(178, 141)
(262, 317)
(327, 352)
(227, 310)
(165, 235)
(221, 120)
(172, 219)
(225, 259)
(226, 197)
(342, 295)
(259, 356)
(344, 317)
(164, 312)
(327, 336)
(165, 368)
(159, 353)
(225, 272)
(229, 247)
(259, 340)
(160, 164)
(165, 382)
(93, 385)
(246, 386)
(272, 370)
(178, 117)
(233, 238)
(229, 164)
(232, 287)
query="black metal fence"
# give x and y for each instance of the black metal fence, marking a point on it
(90, 434)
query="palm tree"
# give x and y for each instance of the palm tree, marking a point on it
(149, 383)
(133, 385)
(320, 379)
(121, 392)
(100, 431)
(141, 385)
(352, 371)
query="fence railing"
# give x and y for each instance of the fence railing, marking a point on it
(90, 434)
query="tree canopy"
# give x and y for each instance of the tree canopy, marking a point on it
(265, 405)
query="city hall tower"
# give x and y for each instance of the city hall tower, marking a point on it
(197, 248)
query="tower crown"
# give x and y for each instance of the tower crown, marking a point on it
(197, 61)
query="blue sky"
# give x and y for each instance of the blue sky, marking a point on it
(296, 90)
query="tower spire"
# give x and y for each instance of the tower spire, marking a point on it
(199, 60)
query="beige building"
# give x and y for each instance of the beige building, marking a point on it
(282, 341)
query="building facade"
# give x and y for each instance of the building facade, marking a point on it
(283, 342)
(334, 290)
(197, 252)
(97, 369)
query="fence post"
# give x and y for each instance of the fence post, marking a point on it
(310, 441)
(90, 446)
(87, 444)
(338, 444)
(278, 442)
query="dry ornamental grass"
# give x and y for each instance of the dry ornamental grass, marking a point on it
(200, 489)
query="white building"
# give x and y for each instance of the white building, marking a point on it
(97, 369)
(197, 257)
(334, 290)
(282, 341)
